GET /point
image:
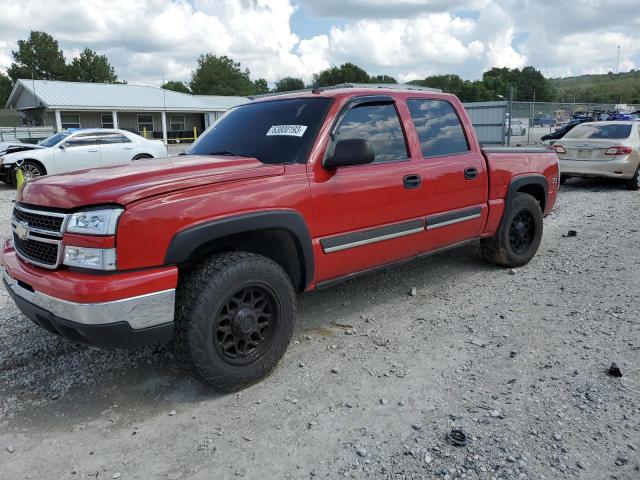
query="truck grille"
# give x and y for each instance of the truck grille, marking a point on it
(37, 252)
(37, 236)
(50, 222)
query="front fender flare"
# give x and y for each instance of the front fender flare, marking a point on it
(186, 242)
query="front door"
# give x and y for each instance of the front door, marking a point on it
(79, 152)
(367, 215)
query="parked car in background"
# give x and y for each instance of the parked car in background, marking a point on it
(601, 149)
(561, 132)
(542, 121)
(517, 128)
(16, 146)
(79, 149)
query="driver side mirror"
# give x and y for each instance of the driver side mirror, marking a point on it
(354, 151)
(63, 145)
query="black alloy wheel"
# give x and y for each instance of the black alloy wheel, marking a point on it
(245, 324)
(522, 231)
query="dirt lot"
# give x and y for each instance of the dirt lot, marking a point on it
(375, 377)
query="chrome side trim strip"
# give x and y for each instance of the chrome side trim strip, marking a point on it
(368, 241)
(139, 312)
(455, 220)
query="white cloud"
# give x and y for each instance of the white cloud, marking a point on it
(407, 39)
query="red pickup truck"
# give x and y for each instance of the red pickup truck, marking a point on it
(282, 195)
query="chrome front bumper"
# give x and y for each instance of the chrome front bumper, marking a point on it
(139, 312)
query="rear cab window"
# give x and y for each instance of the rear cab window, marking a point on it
(438, 127)
(585, 131)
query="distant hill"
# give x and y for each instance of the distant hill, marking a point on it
(607, 88)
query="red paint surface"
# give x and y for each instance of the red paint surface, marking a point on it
(165, 196)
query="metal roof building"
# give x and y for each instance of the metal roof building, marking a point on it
(153, 111)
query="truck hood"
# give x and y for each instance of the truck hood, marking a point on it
(124, 184)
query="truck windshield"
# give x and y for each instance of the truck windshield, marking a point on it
(276, 131)
(611, 131)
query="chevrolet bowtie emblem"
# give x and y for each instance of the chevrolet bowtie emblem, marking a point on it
(22, 231)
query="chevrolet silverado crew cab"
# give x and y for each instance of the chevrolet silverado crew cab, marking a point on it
(284, 194)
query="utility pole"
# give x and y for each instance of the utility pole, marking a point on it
(618, 61)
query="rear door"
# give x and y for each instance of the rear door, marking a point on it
(453, 173)
(367, 215)
(116, 148)
(79, 152)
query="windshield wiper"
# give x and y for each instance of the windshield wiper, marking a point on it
(227, 153)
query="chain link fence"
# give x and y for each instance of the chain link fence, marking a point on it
(530, 121)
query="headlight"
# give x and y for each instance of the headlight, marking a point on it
(95, 222)
(94, 258)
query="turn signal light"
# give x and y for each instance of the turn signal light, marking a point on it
(618, 151)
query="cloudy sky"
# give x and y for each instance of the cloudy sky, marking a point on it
(408, 39)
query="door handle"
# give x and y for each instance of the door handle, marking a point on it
(412, 181)
(92, 151)
(470, 173)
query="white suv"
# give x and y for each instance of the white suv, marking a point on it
(80, 149)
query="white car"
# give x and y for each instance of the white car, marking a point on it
(517, 128)
(80, 149)
(601, 149)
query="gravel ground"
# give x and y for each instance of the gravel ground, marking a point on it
(375, 378)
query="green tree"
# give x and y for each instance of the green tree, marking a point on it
(40, 57)
(465, 90)
(5, 89)
(260, 86)
(382, 79)
(220, 76)
(176, 86)
(345, 73)
(524, 82)
(91, 67)
(288, 84)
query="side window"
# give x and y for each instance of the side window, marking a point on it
(380, 125)
(82, 141)
(439, 129)
(111, 138)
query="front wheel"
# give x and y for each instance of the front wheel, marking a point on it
(519, 235)
(634, 182)
(563, 179)
(235, 316)
(30, 170)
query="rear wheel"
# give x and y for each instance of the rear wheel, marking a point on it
(142, 156)
(519, 235)
(235, 316)
(634, 182)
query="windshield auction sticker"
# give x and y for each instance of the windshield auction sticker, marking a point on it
(287, 130)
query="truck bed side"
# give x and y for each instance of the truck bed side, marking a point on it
(519, 169)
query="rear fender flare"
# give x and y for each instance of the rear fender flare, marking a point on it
(522, 181)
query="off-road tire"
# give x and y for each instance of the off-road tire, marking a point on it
(500, 249)
(200, 298)
(634, 182)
